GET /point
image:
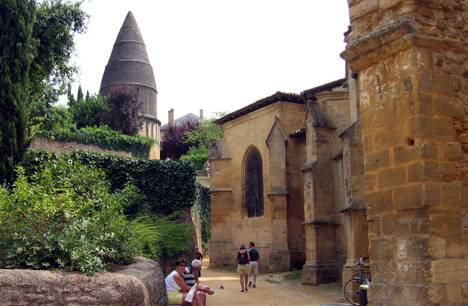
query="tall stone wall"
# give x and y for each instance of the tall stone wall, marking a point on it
(412, 63)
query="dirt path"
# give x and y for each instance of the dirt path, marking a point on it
(279, 289)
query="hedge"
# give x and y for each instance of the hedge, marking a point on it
(104, 137)
(167, 186)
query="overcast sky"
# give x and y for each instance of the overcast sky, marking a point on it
(220, 55)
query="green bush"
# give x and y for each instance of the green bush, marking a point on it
(65, 216)
(165, 186)
(167, 238)
(104, 137)
(197, 155)
(90, 111)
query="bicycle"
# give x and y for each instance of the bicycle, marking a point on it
(355, 289)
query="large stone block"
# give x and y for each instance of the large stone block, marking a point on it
(392, 177)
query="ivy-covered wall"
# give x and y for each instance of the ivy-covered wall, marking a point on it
(165, 186)
(202, 212)
(104, 137)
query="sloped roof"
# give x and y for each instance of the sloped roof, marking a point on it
(337, 84)
(128, 63)
(190, 117)
(277, 97)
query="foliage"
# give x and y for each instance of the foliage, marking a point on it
(167, 239)
(90, 111)
(199, 139)
(205, 134)
(173, 145)
(197, 155)
(123, 114)
(202, 211)
(103, 137)
(54, 27)
(59, 118)
(65, 216)
(16, 51)
(167, 186)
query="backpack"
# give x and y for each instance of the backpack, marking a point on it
(243, 258)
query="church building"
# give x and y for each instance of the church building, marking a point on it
(286, 175)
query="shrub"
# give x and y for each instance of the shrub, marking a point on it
(66, 217)
(90, 111)
(197, 155)
(104, 137)
(166, 186)
(166, 238)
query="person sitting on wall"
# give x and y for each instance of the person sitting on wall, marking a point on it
(191, 278)
(199, 256)
(177, 290)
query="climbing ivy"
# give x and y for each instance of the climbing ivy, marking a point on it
(104, 137)
(202, 210)
(165, 186)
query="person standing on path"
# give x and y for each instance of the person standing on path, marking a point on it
(243, 266)
(253, 264)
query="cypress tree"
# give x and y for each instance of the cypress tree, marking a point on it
(79, 95)
(16, 54)
(71, 98)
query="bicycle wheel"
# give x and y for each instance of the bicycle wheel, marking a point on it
(351, 291)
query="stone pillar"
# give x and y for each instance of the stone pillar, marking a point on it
(279, 256)
(411, 59)
(319, 225)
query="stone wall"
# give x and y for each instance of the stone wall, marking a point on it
(141, 283)
(411, 61)
(61, 147)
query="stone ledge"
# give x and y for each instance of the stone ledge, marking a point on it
(141, 283)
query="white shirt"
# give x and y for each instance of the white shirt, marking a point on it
(171, 284)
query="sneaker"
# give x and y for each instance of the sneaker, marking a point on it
(255, 286)
(242, 290)
(246, 289)
(250, 283)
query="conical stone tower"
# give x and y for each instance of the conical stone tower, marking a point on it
(129, 66)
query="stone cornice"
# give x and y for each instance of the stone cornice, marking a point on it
(321, 221)
(277, 193)
(212, 190)
(366, 50)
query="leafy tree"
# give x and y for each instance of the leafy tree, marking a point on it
(54, 27)
(59, 118)
(87, 95)
(90, 111)
(173, 144)
(123, 114)
(16, 54)
(199, 140)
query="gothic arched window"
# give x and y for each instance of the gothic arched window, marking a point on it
(254, 184)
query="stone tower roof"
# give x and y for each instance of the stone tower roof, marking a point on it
(128, 63)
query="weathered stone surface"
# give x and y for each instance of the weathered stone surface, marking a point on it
(141, 283)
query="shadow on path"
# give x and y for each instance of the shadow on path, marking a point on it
(273, 289)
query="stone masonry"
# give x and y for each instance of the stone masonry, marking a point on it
(411, 61)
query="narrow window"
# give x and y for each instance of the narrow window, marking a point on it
(254, 184)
